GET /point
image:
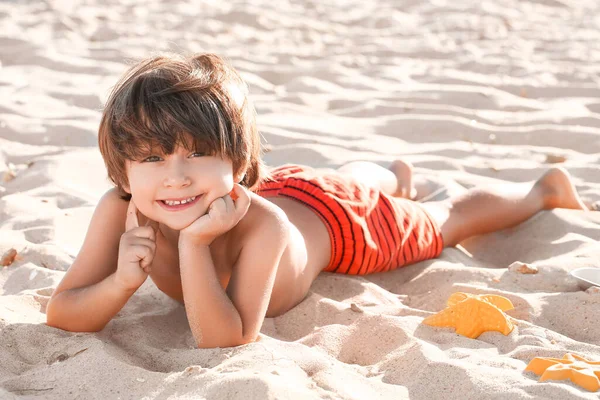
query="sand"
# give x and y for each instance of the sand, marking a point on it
(470, 92)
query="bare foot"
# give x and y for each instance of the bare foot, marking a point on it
(404, 175)
(559, 190)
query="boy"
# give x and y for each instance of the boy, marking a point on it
(179, 139)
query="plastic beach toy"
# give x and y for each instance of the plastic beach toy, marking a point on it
(580, 371)
(471, 314)
(587, 277)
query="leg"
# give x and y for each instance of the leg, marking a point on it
(396, 180)
(484, 210)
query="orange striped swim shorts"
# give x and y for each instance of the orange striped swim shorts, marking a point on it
(369, 230)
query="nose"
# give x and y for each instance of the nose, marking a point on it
(177, 176)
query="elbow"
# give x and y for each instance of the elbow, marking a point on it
(52, 319)
(55, 323)
(225, 342)
(55, 320)
(66, 326)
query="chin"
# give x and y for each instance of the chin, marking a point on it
(179, 223)
(176, 226)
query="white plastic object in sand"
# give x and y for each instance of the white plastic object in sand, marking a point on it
(587, 277)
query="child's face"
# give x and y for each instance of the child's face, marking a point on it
(182, 175)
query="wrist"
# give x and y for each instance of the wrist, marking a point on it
(194, 240)
(121, 287)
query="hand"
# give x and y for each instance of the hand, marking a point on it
(223, 214)
(136, 250)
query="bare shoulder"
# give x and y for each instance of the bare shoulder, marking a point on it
(112, 199)
(112, 211)
(266, 210)
(98, 255)
(263, 216)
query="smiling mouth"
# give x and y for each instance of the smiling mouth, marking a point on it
(181, 206)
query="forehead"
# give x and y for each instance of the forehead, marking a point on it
(184, 140)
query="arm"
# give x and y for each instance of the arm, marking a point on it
(88, 295)
(87, 309)
(219, 319)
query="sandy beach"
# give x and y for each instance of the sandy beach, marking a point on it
(470, 92)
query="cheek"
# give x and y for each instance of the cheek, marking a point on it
(139, 189)
(227, 175)
(141, 192)
(141, 180)
(222, 186)
(144, 203)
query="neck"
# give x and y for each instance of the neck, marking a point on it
(170, 235)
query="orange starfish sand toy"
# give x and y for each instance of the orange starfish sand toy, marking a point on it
(580, 371)
(471, 314)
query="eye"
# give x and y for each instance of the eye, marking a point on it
(151, 159)
(198, 154)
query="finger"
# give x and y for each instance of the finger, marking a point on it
(233, 194)
(143, 232)
(219, 206)
(243, 200)
(229, 203)
(147, 222)
(146, 259)
(240, 192)
(146, 266)
(145, 255)
(139, 241)
(131, 221)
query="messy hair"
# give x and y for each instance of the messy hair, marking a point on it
(162, 101)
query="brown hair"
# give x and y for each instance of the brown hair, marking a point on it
(161, 100)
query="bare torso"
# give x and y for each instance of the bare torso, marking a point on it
(306, 255)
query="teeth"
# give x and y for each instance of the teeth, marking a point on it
(176, 202)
